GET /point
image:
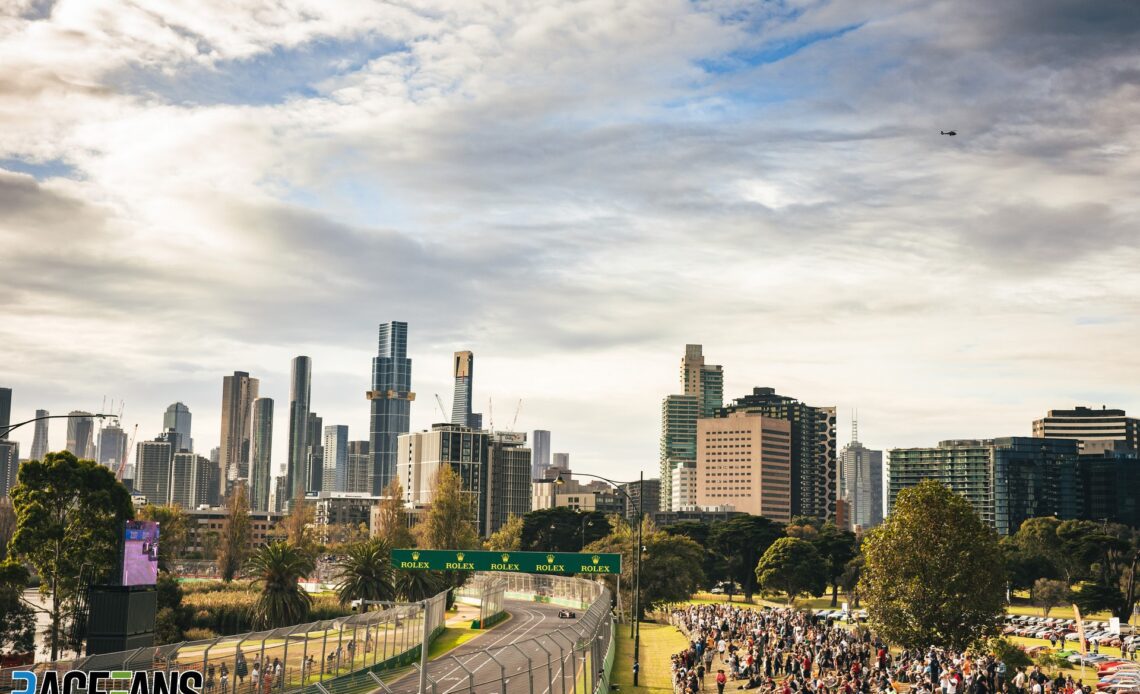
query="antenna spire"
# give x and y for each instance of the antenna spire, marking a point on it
(855, 427)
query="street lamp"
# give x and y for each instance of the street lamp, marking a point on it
(635, 627)
(585, 517)
(5, 432)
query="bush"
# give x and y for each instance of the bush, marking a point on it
(1009, 653)
(199, 635)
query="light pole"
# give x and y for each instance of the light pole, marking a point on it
(635, 626)
(585, 517)
(5, 432)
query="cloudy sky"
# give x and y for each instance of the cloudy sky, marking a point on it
(574, 191)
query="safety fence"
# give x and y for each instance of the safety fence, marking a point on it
(486, 591)
(540, 651)
(298, 658)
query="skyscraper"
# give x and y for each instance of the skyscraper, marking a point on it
(9, 464)
(861, 482)
(391, 401)
(461, 400)
(334, 475)
(423, 453)
(261, 454)
(153, 461)
(1103, 428)
(5, 411)
(540, 444)
(112, 446)
(81, 435)
(177, 419)
(706, 381)
(190, 480)
(359, 479)
(314, 454)
(678, 449)
(508, 479)
(238, 393)
(744, 461)
(814, 461)
(40, 440)
(300, 391)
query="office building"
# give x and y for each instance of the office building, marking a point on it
(238, 393)
(540, 458)
(359, 477)
(9, 464)
(261, 454)
(1006, 480)
(341, 508)
(40, 439)
(300, 394)
(177, 418)
(1089, 425)
(559, 489)
(315, 454)
(189, 479)
(562, 461)
(277, 494)
(153, 460)
(744, 463)
(334, 457)
(508, 478)
(861, 483)
(678, 448)
(665, 518)
(462, 399)
(5, 412)
(423, 453)
(704, 381)
(651, 488)
(683, 487)
(81, 435)
(390, 400)
(814, 456)
(1110, 484)
(207, 524)
(112, 446)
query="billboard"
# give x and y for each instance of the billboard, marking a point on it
(140, 553)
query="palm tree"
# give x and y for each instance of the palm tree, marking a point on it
(279, 567)
(418, 585)
(366, 574)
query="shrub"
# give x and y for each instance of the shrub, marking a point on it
(199, 635)
(1009, 653)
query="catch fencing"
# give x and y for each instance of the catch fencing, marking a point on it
(486, 591)
(298, 658)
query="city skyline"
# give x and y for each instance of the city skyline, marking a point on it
(574, 193)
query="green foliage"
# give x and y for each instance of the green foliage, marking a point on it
(450, 519)
(836, 547)
(278, 568)
(69, 512)
(714, 565)
(196, 634)
(234, 540)
(1048, 594)
(933, 572)
(392, 519)
(562, 529)
(1009, 653)
(741, 541)
(419, 585)
(7, 525)
(366, 573)
(174, 531)
(507, 538)
(166, 627)
(17, 620)
(791, 566)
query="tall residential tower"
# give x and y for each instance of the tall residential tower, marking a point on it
(40, 440)
(238, 393)
(261, 454)
(300, 391)
(390, 399)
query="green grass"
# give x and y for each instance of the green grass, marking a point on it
(658, 643)
(451, 638)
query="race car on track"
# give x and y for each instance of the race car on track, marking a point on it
(567, 614)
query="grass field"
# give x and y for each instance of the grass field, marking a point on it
(450, 638)
(658, 643)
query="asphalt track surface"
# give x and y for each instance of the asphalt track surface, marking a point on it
(528, 621)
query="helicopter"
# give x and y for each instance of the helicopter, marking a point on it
(951, 133)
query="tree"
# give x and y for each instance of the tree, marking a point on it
(850, 579)
(1047, 594)
(741, 541)
(507, 538)
(413, 586)
(278, 568)
(17, 620)
(392, 519)
(69, 512)
(336, 537)
(7, 525)
(297, 526)
(1112, 559)
(366, 573)
(836, 547)
(793, 567)
(174, 531)
(670, 565)
(562, 529)
(1025, 565)
(450, 519)
(932, 573)
(236, 536)
(714, 565)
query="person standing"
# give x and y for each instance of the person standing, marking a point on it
(721, 680)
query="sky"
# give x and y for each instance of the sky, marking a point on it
(573, 191)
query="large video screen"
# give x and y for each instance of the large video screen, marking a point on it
(140, 553)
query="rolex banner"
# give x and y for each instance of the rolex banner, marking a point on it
(524, 562)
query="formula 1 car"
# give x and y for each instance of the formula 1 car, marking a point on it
(567, 614)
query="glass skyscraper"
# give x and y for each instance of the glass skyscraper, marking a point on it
(299, 394)
(261, 454)
(391, 401)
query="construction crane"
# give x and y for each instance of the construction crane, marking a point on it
(516, 419)
(442, 410)
(123, 460)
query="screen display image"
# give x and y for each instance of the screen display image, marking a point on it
(140, 553)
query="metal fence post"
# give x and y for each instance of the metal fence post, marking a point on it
(562, 657)
(549, 666)
(502, 670)
(424, 651)
(529, 668)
